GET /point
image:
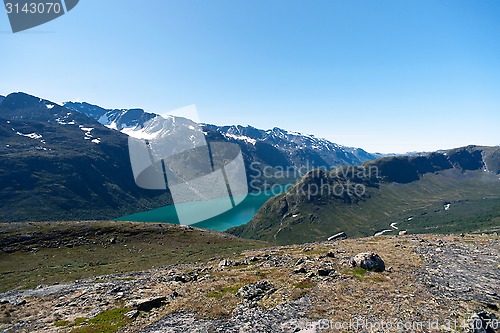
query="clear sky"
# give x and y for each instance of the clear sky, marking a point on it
(387, 76)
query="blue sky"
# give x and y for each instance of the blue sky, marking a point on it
(387, 76)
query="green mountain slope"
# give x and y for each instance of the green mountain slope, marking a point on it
(456, 191)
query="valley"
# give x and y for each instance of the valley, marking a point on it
(413, 196)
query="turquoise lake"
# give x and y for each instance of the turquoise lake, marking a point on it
(239, 215)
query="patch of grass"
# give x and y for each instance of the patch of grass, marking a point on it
(128, 279)
(62, 323)
(214, 304)
(358, 272)
(214, 294)
(78, 321)
(233, 289)
(377, 278)
(105, 322)
(260, 273)
(317, 251)
(297, 293)
(304, 284)
(66, 323)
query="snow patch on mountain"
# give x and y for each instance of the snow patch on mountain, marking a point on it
(34, 136)
(240, 137)
(142, 133)
(87, 130)
(112, 125)
(67, 119)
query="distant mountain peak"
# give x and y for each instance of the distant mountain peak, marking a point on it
(117, 119)
(298, 149)
(17, 99)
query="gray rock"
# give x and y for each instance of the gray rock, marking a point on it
(325, 271)
(180, 278)
(472, 267)
(482, 322)
(131, 314)
(256, 291)
(330, 254)
(369, 261)
(300, 270)
(149, 303)
(289, 317)
(224, 263)
(299, 261)
(10, 249)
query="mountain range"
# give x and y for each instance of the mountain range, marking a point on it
(456, 190)
(274, 147)
(65, 162)
(71, 162)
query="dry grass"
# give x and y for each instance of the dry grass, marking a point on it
(393, 295)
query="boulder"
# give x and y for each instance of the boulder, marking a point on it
(369, 261)
(482, 322)
(148, 304)
(325, 271)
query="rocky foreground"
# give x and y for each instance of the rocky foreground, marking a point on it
(414, 283)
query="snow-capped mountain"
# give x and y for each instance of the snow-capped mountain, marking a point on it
(299, 149)
(142, 125)
(284, 148)
(125, 120)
